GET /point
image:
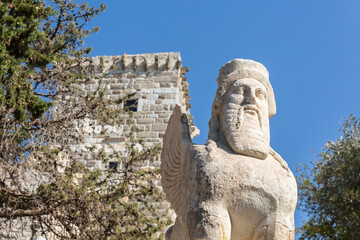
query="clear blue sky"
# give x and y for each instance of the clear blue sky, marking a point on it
(311, 49)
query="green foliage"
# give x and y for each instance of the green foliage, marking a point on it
(329, 191)
(43, 108)
(33, 36)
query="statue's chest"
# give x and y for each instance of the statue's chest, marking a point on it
(235, 175)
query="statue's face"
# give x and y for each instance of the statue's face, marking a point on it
(244, 118)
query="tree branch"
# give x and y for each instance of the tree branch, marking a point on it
(23, 213)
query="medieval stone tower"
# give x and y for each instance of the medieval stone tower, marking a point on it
(156, 83)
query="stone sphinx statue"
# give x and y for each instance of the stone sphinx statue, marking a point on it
(236, 186)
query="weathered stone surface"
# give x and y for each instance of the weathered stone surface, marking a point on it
(147, 135)
(236, 186)
(159, 127)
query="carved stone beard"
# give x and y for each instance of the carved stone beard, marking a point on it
(246, 130)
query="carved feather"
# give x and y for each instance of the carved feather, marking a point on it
(176, 144)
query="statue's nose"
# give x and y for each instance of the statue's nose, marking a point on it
(250, 97)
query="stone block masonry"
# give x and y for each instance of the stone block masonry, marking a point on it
(158, 83)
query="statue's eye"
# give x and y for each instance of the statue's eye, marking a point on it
(239, 90)
(260, 94)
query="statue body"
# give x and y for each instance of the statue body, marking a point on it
(236, 186)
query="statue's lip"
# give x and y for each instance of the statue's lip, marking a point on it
(251, 109)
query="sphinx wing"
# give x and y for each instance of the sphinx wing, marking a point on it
(177, 141)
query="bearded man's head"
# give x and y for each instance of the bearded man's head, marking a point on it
(242, 107)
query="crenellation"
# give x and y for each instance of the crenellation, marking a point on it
(141, 64)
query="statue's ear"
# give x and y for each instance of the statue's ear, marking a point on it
(214, 123)
(217, 107)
